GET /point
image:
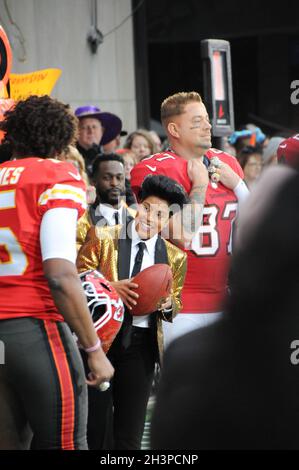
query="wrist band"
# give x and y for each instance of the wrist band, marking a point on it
(93, 348)
(241, 191)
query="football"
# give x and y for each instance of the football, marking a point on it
(154, 283)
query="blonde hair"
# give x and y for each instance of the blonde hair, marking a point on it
(72, 154)
(125, 152)
(143, 133)
(175, 104)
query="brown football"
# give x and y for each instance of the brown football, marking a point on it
(154, 283)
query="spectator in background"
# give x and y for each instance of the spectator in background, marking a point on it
(156, 138)
(252, 136)
(96, 128)
(227, 147)
(288, 152)
(251, 161)
(129, 160)
(114, 144)
(72, 154)
(141, 143)
(270, 151)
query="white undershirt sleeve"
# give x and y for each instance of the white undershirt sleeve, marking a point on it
(241, 191)
(58, 234)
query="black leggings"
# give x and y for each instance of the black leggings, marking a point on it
(42, 384)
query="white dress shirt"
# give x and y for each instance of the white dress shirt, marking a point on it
(147, 261)
(108, 212)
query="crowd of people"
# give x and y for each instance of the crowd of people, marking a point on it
(78, 195)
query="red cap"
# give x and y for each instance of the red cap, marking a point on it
(288, 151)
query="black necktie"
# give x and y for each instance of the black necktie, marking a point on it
(116, 217)
(127, 326)
(138, 259)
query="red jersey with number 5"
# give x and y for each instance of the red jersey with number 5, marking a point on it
(28, 188)
(208, 261)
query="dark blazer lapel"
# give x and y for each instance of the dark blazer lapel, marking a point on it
(124, 253)
(161, 252)
(126, 216)
(96, 218)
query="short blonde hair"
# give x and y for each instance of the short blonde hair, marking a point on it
(175, 104)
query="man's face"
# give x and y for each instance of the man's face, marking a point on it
(152, 217)
(111, 146)
(90, 132)
(110, 182)
(193, 127)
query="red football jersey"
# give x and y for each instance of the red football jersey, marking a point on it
(28, 188)
(208, 261)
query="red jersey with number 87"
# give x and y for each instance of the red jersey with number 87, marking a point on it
(28, 188)
(208, 261)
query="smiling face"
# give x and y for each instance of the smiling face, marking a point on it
(152, 217)
(191, 129)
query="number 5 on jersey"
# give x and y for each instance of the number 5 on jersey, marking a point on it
(13, 261)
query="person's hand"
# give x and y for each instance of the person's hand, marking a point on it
(227, 176)
(198, 172)
(165, 303)
(100, 368)
(125, 290)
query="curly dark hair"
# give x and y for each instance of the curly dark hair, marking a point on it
(165, 188)
(109, 157)
(39, 126)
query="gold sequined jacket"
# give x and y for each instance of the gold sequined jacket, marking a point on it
(85, 222)
(106, 249)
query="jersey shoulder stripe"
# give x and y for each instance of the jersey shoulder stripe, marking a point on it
(63, 191)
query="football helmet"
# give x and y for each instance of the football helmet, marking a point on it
(105, 306)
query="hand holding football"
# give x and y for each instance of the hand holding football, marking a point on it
(154, 283)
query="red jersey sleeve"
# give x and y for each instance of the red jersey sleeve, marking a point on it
(166, 163)
(62, 186)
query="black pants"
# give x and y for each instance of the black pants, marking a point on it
(124, 404)
(42, 383)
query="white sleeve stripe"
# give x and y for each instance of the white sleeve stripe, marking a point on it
(63, 191)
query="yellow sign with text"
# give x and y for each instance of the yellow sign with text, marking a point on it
(37, 83)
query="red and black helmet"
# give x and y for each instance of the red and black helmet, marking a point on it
(105, 306)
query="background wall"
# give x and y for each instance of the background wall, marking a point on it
(53, 33)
